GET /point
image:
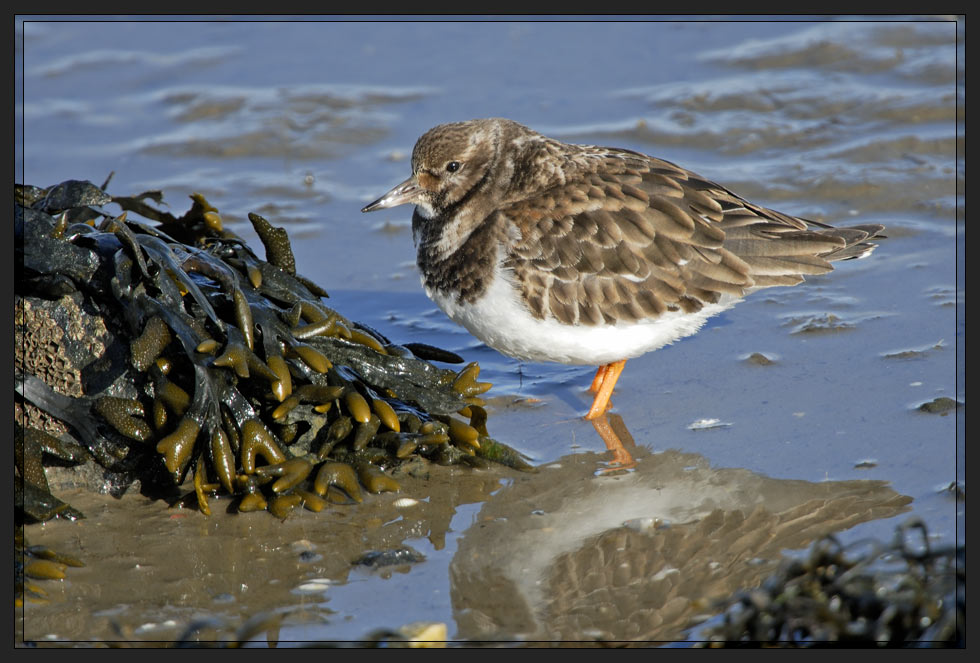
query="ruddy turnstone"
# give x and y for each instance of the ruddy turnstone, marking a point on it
(580, 254)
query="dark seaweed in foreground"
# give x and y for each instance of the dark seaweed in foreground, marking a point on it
(214, 364)
(866, 594)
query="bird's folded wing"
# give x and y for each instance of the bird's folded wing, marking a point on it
(631, 237)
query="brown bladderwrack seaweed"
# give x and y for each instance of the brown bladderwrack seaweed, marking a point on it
(228, 366)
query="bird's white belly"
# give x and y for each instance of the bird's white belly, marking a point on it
(499, 319)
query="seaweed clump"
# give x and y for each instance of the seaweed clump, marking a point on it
(866, 594)
(214, 364)
(33, 563)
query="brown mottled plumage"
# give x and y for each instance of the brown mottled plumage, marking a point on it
(604, 250)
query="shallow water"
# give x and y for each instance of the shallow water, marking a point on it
(305, 122)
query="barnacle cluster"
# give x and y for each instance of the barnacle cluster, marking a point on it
(232, 368)
(902, 594)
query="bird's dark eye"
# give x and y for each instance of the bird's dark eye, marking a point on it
(452, 166)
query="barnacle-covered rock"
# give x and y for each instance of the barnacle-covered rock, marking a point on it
(213, 363)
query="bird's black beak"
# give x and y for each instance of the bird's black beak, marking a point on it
(405, 192)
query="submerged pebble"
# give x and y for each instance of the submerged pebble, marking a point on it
(314, 586)
(941, 405)
(380, 558)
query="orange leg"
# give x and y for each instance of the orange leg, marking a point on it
(597, 380)
(622, 458)
(610, 374)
